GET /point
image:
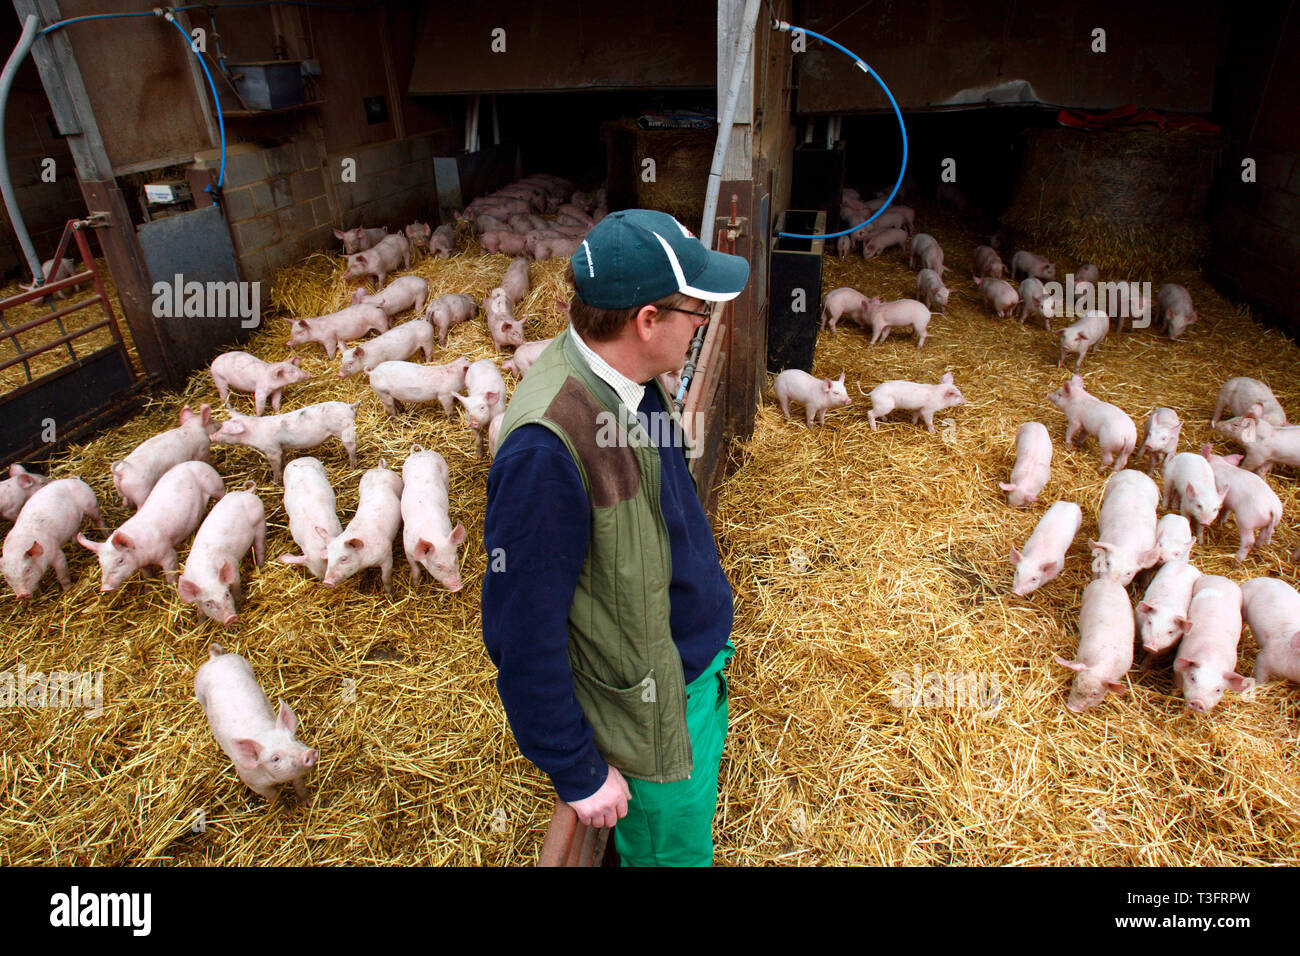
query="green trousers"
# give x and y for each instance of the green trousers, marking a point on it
(671, 824)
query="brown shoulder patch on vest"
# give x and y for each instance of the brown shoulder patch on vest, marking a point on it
(613, 473)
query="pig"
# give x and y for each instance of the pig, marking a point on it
(881, 241)
(515, 281)
(1254, 505)
(494, 433)
(443, 242)
(540, 249)
(1162, 613)
(1266, 444)
(427, 535)
(243, 372)
(844, 302)
(135, 475)
(1044, 554)
(815, 394)
(310, 503)
(948, 194)
(304, 428)
(1128, 299)
(379, 260)
(528, 353)
(1085, 333)
(397, 343)
(931, 290)
(1032, 295)
(346, 325)
(1105, 645)
(1160, 437)
(505, 329)
(1126, 527)
(512, 244)
(1272, 610)
(448, 311)
(406, 292)
(417, 234)
(1207, 656)
(265, 751)
(359, 240)
(1189, 486)
(987, 263)
(1174, 310)
(1174, 538)
(52, 515)
(1115, 431)
(1087, 273)
(235, 525)
(527, 223)
(1239, 394)
(999, 295)
(168, 516)
(1031, 265)
(488, 223)
(927, 249)
(921, 400)
(484, 400)
(900, 314)
(843, 246)
(65, 270)
(898, 218)
(1033, 465)
(367, 541)
(17, 489)
(405, 382)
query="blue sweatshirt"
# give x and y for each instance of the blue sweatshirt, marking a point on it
(536, 533)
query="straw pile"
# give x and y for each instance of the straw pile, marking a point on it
(681, 173)
(1123, 199)
(858, 555)
(52, 359)
(903, 539)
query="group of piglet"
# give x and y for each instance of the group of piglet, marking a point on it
(1193, 618)
(510, 220)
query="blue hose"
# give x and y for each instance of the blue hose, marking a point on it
(784, 27)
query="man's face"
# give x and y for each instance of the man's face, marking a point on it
(672, 333)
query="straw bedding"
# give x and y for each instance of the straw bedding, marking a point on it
(853, 555)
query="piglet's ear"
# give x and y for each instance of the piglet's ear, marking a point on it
(356, 544)
(423, 547)
(1237, 682)
(247, 753)
(1115, 687)
(286, 718)
(188, 591)
(1073, 665)
(457, 534)
(1184, 664)
(228, 573)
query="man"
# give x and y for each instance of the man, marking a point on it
(605, 609)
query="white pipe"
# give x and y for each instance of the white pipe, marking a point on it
(739, 65)
(6, 185)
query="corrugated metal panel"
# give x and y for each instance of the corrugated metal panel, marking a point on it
(941, 54)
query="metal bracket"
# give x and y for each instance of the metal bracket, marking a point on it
(96, 220)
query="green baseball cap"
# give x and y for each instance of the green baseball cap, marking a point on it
(637, 256)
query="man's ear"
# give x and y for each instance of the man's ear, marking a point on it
(645, 320)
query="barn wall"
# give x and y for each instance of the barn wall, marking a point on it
(29, 140)
(1256, 254)
(937, 53)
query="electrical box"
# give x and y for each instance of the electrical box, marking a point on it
(268, 84)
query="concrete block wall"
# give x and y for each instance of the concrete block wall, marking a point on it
(281, 208)
(394, 183)
(275, 202)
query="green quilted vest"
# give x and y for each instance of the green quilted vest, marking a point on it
(626, 670)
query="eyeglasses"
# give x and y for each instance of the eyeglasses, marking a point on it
(703, 315)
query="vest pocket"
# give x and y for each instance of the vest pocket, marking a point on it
(623, 720)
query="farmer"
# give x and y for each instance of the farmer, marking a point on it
(605, 609)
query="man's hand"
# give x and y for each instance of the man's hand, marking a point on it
(607, 805)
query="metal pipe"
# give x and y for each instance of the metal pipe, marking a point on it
(6, 184)
(739, 65)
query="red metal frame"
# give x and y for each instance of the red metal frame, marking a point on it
(74, 229)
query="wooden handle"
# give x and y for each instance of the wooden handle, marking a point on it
(570, 843)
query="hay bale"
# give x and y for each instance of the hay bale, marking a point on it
(1127, 200)
(682, 160)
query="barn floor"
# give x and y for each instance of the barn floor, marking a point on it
(856, 557)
